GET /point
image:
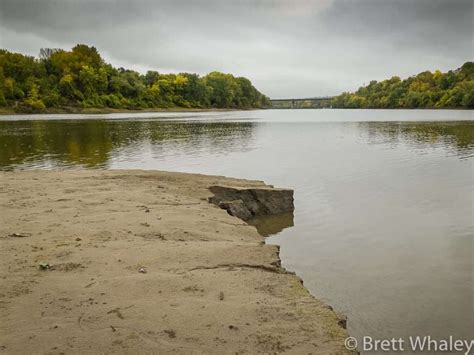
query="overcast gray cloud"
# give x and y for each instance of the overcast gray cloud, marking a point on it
(288, 48)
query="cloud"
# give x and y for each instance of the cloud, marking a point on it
(287, 48)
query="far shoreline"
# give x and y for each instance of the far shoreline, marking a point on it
(104, 111)
(100, 111)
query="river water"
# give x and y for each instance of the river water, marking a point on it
(383, 227)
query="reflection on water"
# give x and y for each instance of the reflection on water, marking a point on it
(383, 215)
(273, 224)
(457, 136)
(93, 143)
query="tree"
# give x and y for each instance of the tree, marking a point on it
(223, 89)
(32, 101)
(81, 78)
(425, 90)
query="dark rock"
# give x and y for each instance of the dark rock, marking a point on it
(246, 203)
(342, 321)
(236, 208)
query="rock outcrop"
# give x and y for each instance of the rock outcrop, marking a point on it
(246, 203)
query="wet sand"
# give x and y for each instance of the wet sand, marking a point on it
(141, 262)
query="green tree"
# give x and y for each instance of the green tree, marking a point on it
(425, 90)
(81, 78)
(32, 101)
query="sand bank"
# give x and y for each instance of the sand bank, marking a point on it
(140, 261)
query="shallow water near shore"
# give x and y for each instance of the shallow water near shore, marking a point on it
(383, 226)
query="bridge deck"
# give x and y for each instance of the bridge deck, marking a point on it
(312, 102)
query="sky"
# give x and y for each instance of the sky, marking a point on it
(287, 48)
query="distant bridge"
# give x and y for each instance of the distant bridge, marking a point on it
(311, 102)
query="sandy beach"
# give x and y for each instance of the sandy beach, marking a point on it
(140, 262)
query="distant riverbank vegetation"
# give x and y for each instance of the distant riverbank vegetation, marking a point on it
(80, 79)
(454, 89)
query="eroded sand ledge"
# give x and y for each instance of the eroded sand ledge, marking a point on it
(211, 284)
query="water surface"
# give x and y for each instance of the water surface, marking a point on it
(383, 226)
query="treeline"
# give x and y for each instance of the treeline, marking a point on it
(80, 78)
(454, 89)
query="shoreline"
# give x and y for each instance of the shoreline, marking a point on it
(105, 111)
(140, 261)
(100, 111)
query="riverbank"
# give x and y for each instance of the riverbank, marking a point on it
(140, 261)
(105, 110)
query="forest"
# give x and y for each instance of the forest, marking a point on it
(81, 79)
(454, 89)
